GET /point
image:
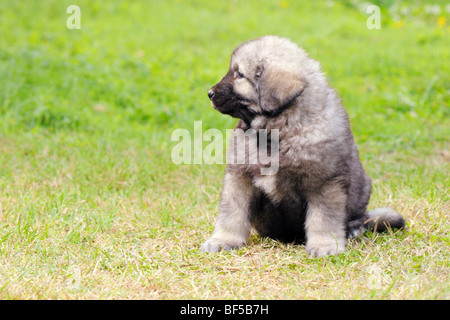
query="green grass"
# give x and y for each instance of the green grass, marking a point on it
(92, 207)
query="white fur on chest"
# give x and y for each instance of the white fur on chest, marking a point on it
(268, 184)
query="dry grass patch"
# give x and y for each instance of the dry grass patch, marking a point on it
(145, 245)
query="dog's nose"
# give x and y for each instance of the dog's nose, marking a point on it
(210, 94)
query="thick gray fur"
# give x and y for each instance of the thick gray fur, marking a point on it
(320, 192)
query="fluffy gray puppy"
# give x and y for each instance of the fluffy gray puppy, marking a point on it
(319, 192)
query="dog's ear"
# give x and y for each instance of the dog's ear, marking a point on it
(277, 88)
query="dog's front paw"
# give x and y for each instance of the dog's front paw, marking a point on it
(325, 247)
(217, 244)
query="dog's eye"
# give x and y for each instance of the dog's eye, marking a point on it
(239, 75)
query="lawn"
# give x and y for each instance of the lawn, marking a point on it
(92, 205)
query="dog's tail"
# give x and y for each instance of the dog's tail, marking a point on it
(382, 219)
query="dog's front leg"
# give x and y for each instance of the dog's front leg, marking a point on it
(233, 221)
(325, 221)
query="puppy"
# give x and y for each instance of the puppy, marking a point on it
(319, 193)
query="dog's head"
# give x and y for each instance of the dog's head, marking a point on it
(264, 78)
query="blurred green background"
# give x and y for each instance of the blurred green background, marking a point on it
(149, 63)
